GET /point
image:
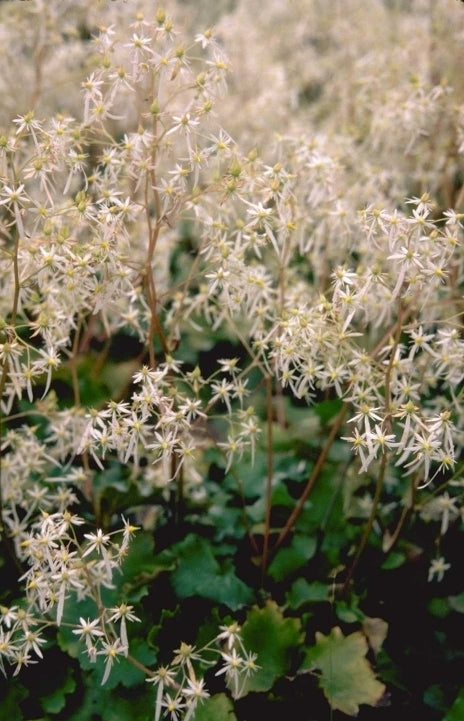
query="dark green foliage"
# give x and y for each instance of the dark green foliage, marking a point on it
(187, 576)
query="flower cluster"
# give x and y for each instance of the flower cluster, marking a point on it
(148, 210)
(61, 566)
(179, 687)
(90, 206)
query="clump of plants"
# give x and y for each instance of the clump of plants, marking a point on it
(231, 372)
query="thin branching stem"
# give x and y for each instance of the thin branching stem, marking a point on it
(315, 473)
(269, 475)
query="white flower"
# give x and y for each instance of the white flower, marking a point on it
(88, 630)
(195, 692)
(173, 705)
(14, 195)
(97, 542)
(122, 613)
(438, 568)
(230, 634)
(111, 651)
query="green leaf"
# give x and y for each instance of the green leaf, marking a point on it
(346, 679)
(303, 592)
(227, 520)
(348, 613)
(93, 700)
(282, 497)
(122, 709)
(216, 708)
(99, 702)
(324, 510)
(328, 409)
(290, 559)
(274, 639)
(456, 712)
(199, 573)
(9, 704)
(395, 559)
(152, 636)
(56, 701)
(142, 565)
